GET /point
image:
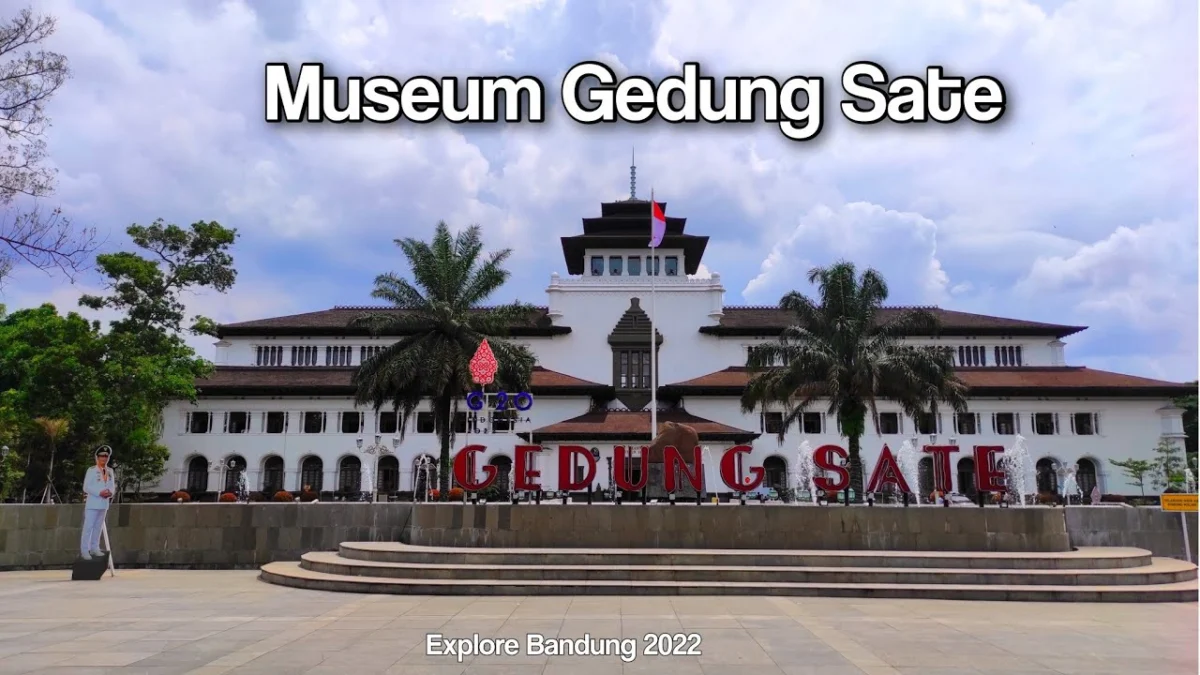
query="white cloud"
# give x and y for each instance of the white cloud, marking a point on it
(164, 118)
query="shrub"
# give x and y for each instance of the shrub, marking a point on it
(1112, 499)
(227, 497)
(435, 494)
(456, 494)
(180, 496)
(308, 496)
(1047, 498)
(283, 496)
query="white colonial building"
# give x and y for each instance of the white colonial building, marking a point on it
(280, 406)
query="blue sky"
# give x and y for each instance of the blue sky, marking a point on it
(1080, 207)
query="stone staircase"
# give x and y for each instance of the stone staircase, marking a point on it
(1083, 575)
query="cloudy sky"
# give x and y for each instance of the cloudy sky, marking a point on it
(1080, 207)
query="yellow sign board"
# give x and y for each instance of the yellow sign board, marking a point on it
(1179, 502)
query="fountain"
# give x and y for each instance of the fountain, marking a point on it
(243, 492)
(421, 477)
(366, 481)
(806, 472)
(1016, 466)
(909, 458)
(1068, 486)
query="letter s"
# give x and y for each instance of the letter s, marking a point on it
(877, 98)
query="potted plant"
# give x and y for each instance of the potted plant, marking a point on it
(227, 498)
(283, 496)
(179, 496)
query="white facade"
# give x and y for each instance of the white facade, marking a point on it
(1116, 426)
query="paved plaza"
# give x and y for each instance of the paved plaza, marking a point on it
(159, 622)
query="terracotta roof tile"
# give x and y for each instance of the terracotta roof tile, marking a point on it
(981, 380)
(286, 380)
(633, 426)
(743, 320)
(337, 320)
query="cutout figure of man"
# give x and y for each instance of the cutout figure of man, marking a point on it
(99, 485)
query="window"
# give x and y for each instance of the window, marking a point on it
(775, 469)
(369, 352)
(304, 356)
(653, 265)
(389, 474)
(615, 265)
(314, 422)
(597, 265)
(1085, 424)
(633, 368)
(424, 423)
(350, 475)
(1045, 424)
(1004, 424)
(772, 422)
(272, 480)
(752, 350)
(352, 422)
(237, 422)
(235, 468)
(672, 265)
(312, 472)
(1008, 356)
(1085, 476)
(338, 356)
(966, 424)
(460, 423)
(972, 356)
(389, 422)
(197, 476)
(633, 465)
(812, 422)
(199, 422)
(926, 423)
(276, 422)
(635, 265)
(889, 423)
(503, 421)
(268, 356)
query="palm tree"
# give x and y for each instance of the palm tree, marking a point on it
(441, 323)
(53, 428)
(843, 350)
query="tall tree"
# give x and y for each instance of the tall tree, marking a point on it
(28, 79)
(1135, 470)
(148, 289)
(54, 429)
(844, 350)
(440, 323)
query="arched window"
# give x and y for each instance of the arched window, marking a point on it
(925, 477)
(388, 480)
(425, 475)
(966, 477)
(350, 475)
(776, 472)
(1047, 479)
(197, 476)
(235, 467)
(272, 478)
(1085, 476)
(312, 471)
(503, 471)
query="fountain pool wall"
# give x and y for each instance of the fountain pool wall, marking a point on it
(225, 536)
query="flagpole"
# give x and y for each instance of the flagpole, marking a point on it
(653, 333)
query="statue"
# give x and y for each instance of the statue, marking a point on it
(684, 439)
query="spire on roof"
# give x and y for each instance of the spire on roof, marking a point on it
(633, 174)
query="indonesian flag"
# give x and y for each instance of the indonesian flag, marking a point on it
(658, 223)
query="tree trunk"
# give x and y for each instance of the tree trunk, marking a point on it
(442, 408)
(856, 468)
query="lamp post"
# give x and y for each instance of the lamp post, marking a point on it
(612, 489)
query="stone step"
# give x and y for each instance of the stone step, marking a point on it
(292, 574)
(1160, 571)
(1083, 558)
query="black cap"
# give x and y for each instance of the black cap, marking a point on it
(103, 451)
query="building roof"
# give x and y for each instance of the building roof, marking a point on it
(336, 321)
(770, 321)
(621, 425)
(325, 381)
(626, 225)
(1023, 381)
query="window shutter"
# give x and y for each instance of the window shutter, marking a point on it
(1096, 423)
(993, 423)
(1017, 423)
(978, 423)
(900, 423)
(187, 422)
(362, 422)
(1056, 423)
(1073, 431)
(225, 424)
(324, 421)
(287, 420)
